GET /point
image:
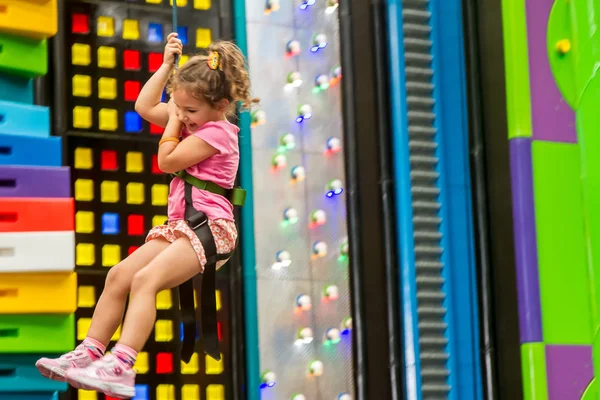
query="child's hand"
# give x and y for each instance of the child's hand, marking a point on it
(173, 47)
(172, 110)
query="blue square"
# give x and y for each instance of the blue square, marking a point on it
(182, 32)
(141, 392)
(133, 122)
(110, 224)
(155, 32)
(181, 332)
(164, 96)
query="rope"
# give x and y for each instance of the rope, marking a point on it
(175, 30)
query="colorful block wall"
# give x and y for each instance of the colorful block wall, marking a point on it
(38, 286)
(552, 102)
(110, 49)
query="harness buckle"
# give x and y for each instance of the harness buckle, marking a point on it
(197, 220)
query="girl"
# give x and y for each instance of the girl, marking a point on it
(203, 92)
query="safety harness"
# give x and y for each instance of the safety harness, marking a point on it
(198, 222)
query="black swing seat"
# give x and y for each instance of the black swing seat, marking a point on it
(209, 335)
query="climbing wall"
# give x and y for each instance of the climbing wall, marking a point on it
(303, 323)
(110, 49)
(38, 287)
(554, 223)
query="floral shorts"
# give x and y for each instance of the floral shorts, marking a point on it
(224, 232)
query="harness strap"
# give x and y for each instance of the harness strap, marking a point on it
(236, 195)
(198, 222)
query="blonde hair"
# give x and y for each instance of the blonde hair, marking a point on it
(229, 81)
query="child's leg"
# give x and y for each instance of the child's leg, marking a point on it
(109, 310)
(175, 265)
(107, 316)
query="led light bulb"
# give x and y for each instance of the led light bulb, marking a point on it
(344, 396)
(319, 249)
(332, 5)
(304, 302)
(290, 215)
(318, 217)
(304, 4)
(346, 325)
(259, 117)
(304, 113)
(298, 173)
(331, 292)
(334, 188)
(268, 379)
(319, 42)
(279, 161)
(333, 145)
(322, 82)
(344, 248)
(315, 368)
(270, 6)
(287, 141)
(332, 336)
(298, 396)
(304, 336)
(283, 259)
(293, 48)
(294, 79)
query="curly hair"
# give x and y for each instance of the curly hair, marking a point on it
(231, 81)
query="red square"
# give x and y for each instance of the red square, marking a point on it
(107, 397)
(132, 90)
(220, 334)
(108, 160)
(156, 130)
(80, 23)
(131, 60)
(135, 225)
(154, 61)
(164, 363)
(132, 249)
(155, 169)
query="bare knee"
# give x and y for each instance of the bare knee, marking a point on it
(117, 281)
(143, 281)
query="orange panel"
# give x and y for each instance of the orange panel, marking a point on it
(36, 214)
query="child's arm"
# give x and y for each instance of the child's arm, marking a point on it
(149, 104)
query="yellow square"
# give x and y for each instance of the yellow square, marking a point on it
(131, 29)
(109, 191)
(108, 119)
(190, 392)
(82, 86)
(164, 300)
(215, 392)
(84, 190)
(81, 54)
(83, 394)
(82, 117)
(218, 299)
(158, 220)
(117, 335)
(202, 4)
(86, 296)
(84, 222)
(165, 392)
(183, 59)
(154, 1)
(141, 363)
(135, 193)
(160, 194)
(163, 330)
(83, 325)
(107, 88)
(180, 3)
(83, 158)
(134, 161)
(203, 38)
(213, 367)
(111, 255)
(107, 57)
(84, 254)
(190, 368)
(106, 26)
